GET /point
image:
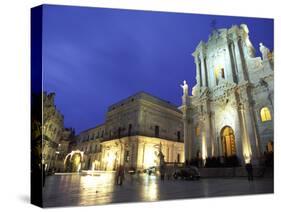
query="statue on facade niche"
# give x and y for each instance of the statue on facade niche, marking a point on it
(184, 88)
(264, 51)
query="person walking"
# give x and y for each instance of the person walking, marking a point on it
(162, 172)
(249, 169)
(120, 175)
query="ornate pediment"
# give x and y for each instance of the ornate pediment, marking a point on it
(223, 93)
(223, 87)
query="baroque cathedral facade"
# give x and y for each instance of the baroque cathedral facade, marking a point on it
(230, 113)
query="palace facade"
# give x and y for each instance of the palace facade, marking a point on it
(135, 131)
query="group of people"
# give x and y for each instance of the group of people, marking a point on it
(120, 173)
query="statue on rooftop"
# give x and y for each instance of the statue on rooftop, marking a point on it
(184, 88)
(264, 51)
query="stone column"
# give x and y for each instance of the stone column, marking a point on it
(102, 161)
(206, 71)
(203, 69)
(253, 120)
(140, 156)
(198, 71)
(204, 148)
(246, 147)
(172, 153)
(189, 134)
(230, 63)
(187, 124)
(253, 137)
(185, 132)
(208, 129)
(239, 59)
(249, 134)
(134, 154)
(212, 134)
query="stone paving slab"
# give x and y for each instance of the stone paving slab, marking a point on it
(77, 190)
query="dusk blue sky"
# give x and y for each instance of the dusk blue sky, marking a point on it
(95, 57)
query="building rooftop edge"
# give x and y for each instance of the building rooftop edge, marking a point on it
(141, 93)
(97, 126)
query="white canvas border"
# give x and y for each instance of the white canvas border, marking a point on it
(15, 89)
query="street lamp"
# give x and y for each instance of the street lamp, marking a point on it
(56, 159)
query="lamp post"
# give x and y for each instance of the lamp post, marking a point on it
(56, 159)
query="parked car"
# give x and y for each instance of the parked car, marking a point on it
(151, 170)
(131, 171)
(187, 173)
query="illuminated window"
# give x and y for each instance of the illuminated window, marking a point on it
(197, 131)
(265, 114)
(222, 73)
(219, 72)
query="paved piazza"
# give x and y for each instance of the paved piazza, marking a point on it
(75, 189)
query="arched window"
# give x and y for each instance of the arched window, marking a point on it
(265, 114)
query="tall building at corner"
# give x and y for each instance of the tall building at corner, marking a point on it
(230, 111)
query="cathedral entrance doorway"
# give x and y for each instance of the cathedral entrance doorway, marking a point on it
(228, 141)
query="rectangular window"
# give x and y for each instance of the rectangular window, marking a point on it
(119, 132)
(179, 135)
(130, 130)
(156, 131)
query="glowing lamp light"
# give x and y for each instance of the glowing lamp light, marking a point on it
(111, 158)
(149, 157)
(93, 166)
(247, 157)
(204, 148)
